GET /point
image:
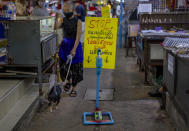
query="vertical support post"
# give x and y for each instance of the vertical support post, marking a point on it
(40, 77)
(126, 24)
(120, 24)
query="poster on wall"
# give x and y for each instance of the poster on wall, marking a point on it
(100, 33)
(145, 8)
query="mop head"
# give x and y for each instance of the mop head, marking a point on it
(98, 118)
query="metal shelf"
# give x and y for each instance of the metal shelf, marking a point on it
(166, 23)
(165, 13)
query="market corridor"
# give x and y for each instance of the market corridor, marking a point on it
(131, 107)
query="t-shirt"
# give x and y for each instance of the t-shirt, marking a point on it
(40, 12)
(80, 10)
(69, 27)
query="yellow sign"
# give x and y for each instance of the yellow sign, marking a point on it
(105, 2)
(105, 12)
(100, 33)
(99, 2)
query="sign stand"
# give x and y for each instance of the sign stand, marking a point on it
(98, 115)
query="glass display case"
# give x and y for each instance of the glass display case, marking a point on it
(30, 40)
(31, 45)
(46, 23)
(47, 26)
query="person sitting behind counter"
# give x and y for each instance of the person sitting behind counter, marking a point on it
(40, 9)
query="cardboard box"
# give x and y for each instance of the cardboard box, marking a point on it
(133, 30)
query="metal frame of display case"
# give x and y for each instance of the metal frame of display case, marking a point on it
(176, 82)
(169, 79)
(26, 47)
(144, 53)
(144, 43)
(166, 20)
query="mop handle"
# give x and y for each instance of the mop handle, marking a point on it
(97, 92)
(98, 72)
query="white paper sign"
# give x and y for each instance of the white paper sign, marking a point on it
(142, 8)
(156, 52)
(171, 63)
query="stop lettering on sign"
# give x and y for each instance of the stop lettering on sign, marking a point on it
(103, 24)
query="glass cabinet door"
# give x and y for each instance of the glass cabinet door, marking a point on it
(47, 26)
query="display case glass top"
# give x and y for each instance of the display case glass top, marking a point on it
(46, 24)
(26, 18)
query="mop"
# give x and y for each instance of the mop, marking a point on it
(97, 114)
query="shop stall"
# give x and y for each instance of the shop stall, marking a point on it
(154, 28)
(28, 48)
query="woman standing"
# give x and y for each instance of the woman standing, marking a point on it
(70, 45)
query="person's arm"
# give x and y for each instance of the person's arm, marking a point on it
(79, 27)
(58, 21)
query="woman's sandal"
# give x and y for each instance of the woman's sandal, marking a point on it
(73, 93)
(67, 87)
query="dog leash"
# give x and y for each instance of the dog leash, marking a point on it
(69, 61)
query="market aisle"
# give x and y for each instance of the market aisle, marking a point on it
(132, 109)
